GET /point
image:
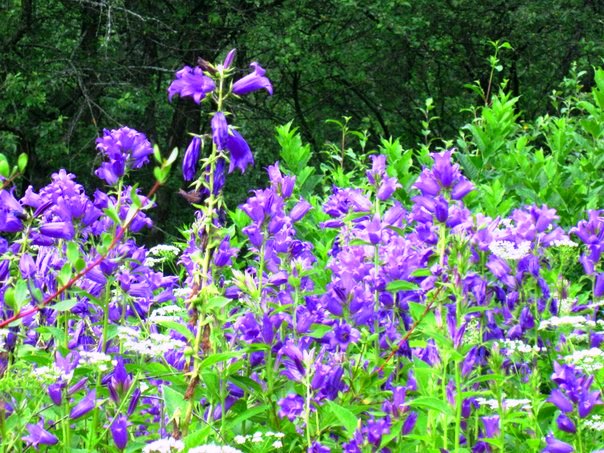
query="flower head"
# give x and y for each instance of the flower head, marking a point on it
(191, 82)
(125, 148)
(253, 82)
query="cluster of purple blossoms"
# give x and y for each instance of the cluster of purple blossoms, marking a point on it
(591, 233)
(125, 148)
(197, 84)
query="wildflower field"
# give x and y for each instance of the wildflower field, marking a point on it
(439, 299)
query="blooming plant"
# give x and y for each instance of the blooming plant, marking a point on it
(382, 313)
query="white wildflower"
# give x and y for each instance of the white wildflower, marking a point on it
(566, 242)
(157, 345)
(166, 313)
(182, 293)
(589, 360)
(164, 250)
(517, 346)
(239, 439)
(214, 449)
(168, 445)
(277, 444)
(508, 250)
(98, 360)
(575, 321)
(566, 306)
(595, 422)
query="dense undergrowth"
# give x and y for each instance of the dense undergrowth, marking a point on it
(390, 300)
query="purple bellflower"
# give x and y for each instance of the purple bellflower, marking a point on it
(291, 406)
(189, 162)
(253, 82)
(191, 82)
(39, 436)
(240, 153)
(125, 148)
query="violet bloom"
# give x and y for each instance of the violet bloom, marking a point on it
(291, 406)
(119, 431)
(225, 252)
(566, 424)
(220, 130)
(125, 148)
(189, 162)
(409, 423)
(84, 406)
(253, 82)
(191, 82)
(556, 446)
(39, 436)
(11, 213)
(240, 153)
(599, 285)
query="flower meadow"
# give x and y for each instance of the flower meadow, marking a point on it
(360, 307)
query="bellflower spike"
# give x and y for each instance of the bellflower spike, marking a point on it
(220, 130)
(241, 155)
(189, 162)
(253, 82)
(228, 61)
(191, 82)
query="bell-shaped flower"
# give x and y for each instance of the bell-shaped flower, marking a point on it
(291, 406)
(220, 130)
(556, 446)
(39, 436)
(253, 82)
(84, 406)
(119, 431)
(566, 424)
(191, 82)
(189, 162)
(240, 153)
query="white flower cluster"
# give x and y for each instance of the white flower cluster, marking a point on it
(156, 346)
(472, 334)
(589, 360)
(566, 305)
(98, 360)
(508, 250)
(594, 422)
(127, 333)
(564, 243)
(3, 334)
(513, 346)
(182, 293)
(164, 250)
(166, 313)
(168, 445)
(50, 374)
(214, 449)
(522, 404)
(257, 437)
(575, 321)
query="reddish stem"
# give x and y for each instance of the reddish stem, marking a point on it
(98, 260)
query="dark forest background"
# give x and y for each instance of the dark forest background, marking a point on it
(69, 68)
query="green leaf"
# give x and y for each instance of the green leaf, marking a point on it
(180, 328)
(65, 305)
(22, 162)
(73, 252)
(319, 330)
(402, 285)
(219, 357)
(174, 402)
(430, 402)
(4, 169)
(344, 416)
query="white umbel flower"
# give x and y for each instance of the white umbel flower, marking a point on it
(168, 445)
(508, 250)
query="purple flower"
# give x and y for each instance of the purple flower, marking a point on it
(240, 153)
(566, 424)
(191, 82)
(491, 426)
(189, 162)
(119, 431)
(316, 447)
(291, 406)
(125, 148)
(55, 391)
(556, 446)
(253, 82)
(58, 230)
(561, 401)
(599, 285)
(225, 252)
(409, 423)
(84, 406)
(39, 436)
(228, 61)
(300, 210)
(220, 130)
(11, 213)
